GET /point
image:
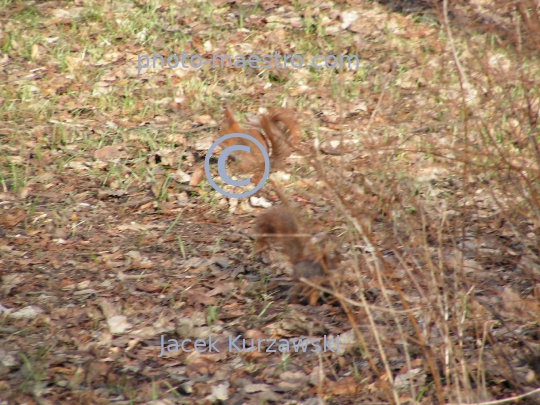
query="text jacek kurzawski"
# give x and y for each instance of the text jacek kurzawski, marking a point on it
(240, 345)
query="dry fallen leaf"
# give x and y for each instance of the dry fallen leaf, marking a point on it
(30, 312)
(222, 289)
(118, 324)
(199, 296)
(12, 219)
(149, 287)
(345, 386)
(197, 176)
(203, 119)
(178, 140)
(200, 366)
(108, 152)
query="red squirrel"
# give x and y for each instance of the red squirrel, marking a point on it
(280, 226)
(281, 131)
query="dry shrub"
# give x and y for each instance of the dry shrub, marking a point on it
(445, 251)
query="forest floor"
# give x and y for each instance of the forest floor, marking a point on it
(419, 167)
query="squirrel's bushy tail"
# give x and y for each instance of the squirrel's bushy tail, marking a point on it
(283, 132)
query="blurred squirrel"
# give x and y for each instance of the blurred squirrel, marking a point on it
(280, 226)
(280, 131)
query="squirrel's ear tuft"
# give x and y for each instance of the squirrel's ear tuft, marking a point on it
(229, 114)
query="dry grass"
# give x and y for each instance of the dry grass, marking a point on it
(421, 168)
